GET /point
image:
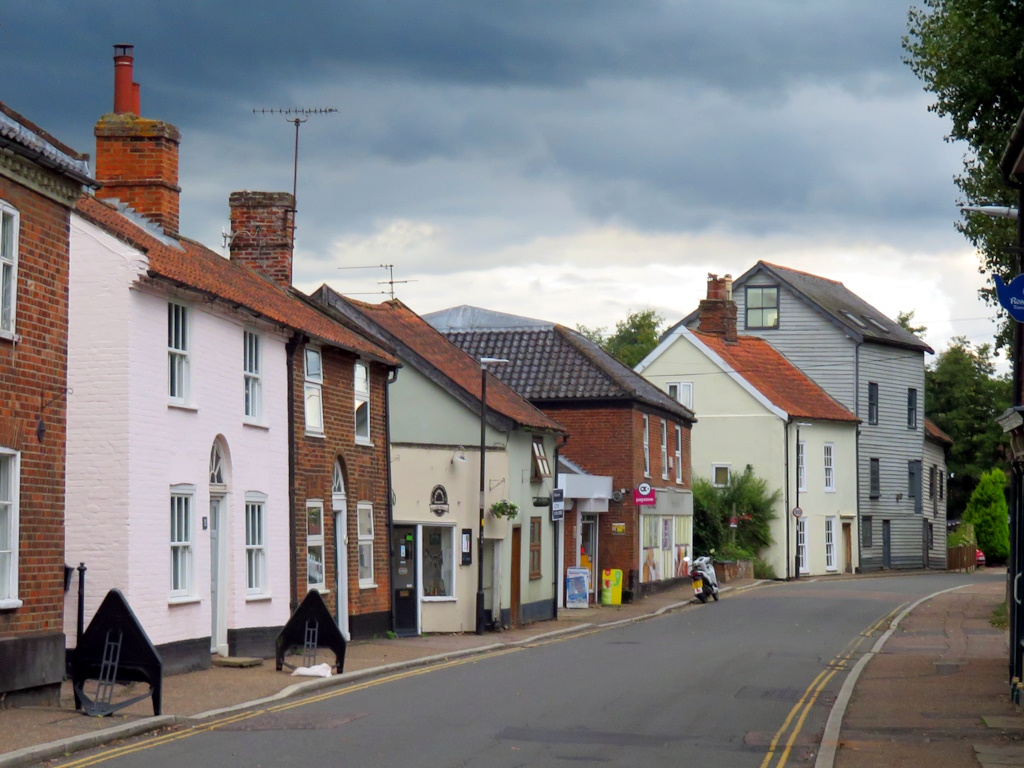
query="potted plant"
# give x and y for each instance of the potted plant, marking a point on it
(505, 508)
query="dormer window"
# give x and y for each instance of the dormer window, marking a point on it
(762, 307)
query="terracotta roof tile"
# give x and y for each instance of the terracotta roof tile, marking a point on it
(932, 432)
(190, 264)
(431, 347)
(768, 371)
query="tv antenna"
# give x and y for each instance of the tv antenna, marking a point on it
(390, 282)
(297, 117)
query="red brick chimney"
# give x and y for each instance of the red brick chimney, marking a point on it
(718, 311)
(261, 233)
(136, 158)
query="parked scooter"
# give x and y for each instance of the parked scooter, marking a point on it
(705, 582)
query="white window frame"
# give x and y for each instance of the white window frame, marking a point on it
(681, 392)
(828, 455)
(179, 358)
(801, 544)
(450, 568)
(10, 224)
(714, 472)
(830, 544)
(664, 450)
(182, 542)
(316, 540)
(313, 392)
(9, 505)
(365, 544)
(256, 580)
(540, 466)
(679, 453)
(252, 374)
(801, 465)
(362, 398)
(647, 446)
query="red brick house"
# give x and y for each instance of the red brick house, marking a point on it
(40, 179)
(621, 427)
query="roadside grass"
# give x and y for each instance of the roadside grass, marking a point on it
(1000, 617)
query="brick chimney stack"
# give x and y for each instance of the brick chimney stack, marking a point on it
(261, 233)
(718, 311)
(136, 158)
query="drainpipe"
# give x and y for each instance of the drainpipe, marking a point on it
(392, 378)
(856, 412)
(559, 531)
(290, 349)
(788, 512)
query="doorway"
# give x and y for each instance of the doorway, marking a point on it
(886, 545)
(403, 580)
(588, 549)
(517, 550)
(847, 548)
(218, 628)
(339, 503)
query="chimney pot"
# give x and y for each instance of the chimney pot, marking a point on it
(125, 99)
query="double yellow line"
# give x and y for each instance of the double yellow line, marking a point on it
(167, 738)
(803, 706)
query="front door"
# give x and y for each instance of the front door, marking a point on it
(886, 545)
(847, 548)
(588, 549)
(217, 630)
(517, 551)
(341, 566)
(403, 580)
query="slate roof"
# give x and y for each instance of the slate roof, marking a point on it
(769, 372)
(549, 362)
(421, 346)
(932, 432)
(192, 265)
(30, 141)
(840, 305)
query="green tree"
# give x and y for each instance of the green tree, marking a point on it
(969, 55)
(634, 338)
(906, 319)
(746, 496)
(988, 512)
(963, 397)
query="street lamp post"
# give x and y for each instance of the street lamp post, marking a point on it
(484, 362)
(797, 512)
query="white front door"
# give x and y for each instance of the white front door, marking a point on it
(341, 550)
(218, 629)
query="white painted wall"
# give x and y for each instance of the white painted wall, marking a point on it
(127, 446)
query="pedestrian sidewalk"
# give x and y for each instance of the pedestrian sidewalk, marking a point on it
(32, 734)
(936, 693)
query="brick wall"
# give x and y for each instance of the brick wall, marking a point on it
(365, 472)
(33, 372)
(608, 440)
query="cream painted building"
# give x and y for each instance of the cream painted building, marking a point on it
(757, 410)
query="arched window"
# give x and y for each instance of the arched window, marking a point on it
(216, 465)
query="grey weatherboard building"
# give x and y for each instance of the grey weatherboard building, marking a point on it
(874, 367)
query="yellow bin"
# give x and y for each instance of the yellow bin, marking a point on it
(611, 586)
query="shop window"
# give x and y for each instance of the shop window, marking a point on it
(438, 573)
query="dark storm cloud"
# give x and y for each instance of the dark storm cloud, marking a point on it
(514, 118)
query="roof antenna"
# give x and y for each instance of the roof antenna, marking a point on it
(297, 117)
(390, 282)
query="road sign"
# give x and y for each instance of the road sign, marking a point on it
(797, 512)
(557, 504)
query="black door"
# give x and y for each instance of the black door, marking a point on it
(886, 545)
(403, 580)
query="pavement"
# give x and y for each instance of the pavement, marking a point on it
(931, 691)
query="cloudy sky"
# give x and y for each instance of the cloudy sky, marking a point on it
(565, 159)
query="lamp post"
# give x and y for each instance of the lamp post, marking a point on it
(797, 512)
(484, 362)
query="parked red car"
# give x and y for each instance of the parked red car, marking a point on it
(979, 557)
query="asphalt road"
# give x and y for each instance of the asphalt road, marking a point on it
(747, 681)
